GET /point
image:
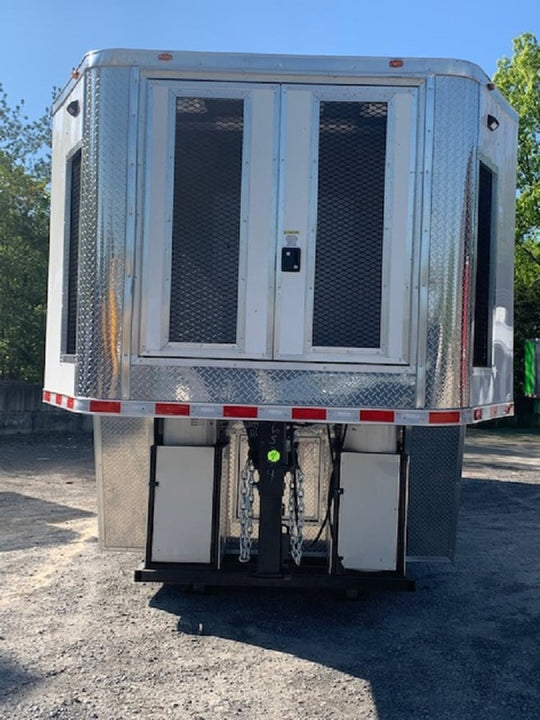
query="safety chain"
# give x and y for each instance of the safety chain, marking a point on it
(247, 494)
(296, 513)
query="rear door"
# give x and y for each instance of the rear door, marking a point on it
(346, 189)
(278, 222)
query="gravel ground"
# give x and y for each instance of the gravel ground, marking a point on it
(78, 639)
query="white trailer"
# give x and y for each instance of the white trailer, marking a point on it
(283, 286)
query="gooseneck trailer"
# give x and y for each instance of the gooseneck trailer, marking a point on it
(283, 286)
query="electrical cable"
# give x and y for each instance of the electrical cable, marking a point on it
(335, 453)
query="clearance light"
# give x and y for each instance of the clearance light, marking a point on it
(492, 122)
(396, 63)
(165, 57)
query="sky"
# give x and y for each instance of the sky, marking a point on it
(43, 39)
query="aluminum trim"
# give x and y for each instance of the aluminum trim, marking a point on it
(312, 414)
(131, 224)
(259, 66)
(425, 235)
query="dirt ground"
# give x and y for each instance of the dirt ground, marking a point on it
(78, 639)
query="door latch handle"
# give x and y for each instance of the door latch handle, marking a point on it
(290, 259)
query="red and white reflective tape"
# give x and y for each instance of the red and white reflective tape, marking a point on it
(134, 408)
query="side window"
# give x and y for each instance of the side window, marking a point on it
(485, 266)
(73, 176)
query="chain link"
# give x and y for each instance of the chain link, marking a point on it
(296, 514)
(247, 495)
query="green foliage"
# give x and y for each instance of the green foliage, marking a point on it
(519, 79)
(23, 141)
(526, 303)
(24, 219)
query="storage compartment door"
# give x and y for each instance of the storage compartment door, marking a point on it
(369, 511)
(344, 247)
(183, 504)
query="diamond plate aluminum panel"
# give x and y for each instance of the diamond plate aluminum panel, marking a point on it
(102, 232)
(452, 226)
(436, 456)
(206, 220)
(350, 224)
(247, 386)
(122, 449)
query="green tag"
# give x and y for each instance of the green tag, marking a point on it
(273, 456)
(530, 369)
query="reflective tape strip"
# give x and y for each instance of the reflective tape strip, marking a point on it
(110, 407)
(438, 417)
(134, 408)
(178, 409)
(308, 413)
(240, 411)
(376, 416)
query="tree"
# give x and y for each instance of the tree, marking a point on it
(518, 78)
(24, 219)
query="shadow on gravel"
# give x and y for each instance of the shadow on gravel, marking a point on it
(13, 678)
(465, 645)
(30, 522)
(48, 454)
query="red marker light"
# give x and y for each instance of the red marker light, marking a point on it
(396, 63)
(165, 57)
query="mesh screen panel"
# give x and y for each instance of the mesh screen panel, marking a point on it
(350, 219)
(206, 220)
(73, 253)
